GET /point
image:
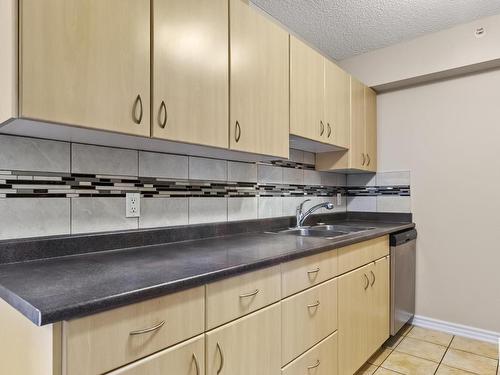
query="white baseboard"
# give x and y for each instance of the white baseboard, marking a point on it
(456, 329)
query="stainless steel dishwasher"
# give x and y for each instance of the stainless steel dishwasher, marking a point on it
(403, 263)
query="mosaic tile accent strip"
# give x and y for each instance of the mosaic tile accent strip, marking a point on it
(373, 191)
(15, 184)
(292, 164)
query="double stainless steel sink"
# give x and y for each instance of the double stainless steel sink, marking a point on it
(326, 231)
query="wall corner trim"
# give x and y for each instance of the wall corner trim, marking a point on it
(456, 329)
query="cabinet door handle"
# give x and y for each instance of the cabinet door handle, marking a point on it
(316, 270)
(163, 109)
(321, 128)
(196, 364)
(221, 353)
(137, 102)
(373, 281)
(329, 133)
(364, 159)
(315, 365)
(369, 160)
(237, 132)
(367, 281)
(316, 304)
(148, 330)
(255, 292)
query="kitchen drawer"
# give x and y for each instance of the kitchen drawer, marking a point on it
(307, 318)
(359, 254)
(231, 298)
(306, 272)
(105, 341)
(187, 358)
(322, 359)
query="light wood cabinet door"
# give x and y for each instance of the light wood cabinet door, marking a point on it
(248, 346)
(307, 318)
(321, 359)
(357, 153)
(337, 105)
(353, 294)
(371, 129)
(86, 63)
(231, 298)
(259, 83)
(306, 91)
(187, 358)
(378, 326)
(191, 71)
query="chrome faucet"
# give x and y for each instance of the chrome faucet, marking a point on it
(302, 216)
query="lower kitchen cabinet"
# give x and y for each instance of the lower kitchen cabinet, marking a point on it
(321, 359)
(378, 324)
(307, 318)
(187, 358)
(247, 346)
(363, 314)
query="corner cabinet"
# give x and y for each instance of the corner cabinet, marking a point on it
(259, 83)
(362, 153)
(86, 63)
(190, 71)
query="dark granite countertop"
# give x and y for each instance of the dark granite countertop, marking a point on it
(66, 287)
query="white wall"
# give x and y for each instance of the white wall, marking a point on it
(442, 51)
(448, 135)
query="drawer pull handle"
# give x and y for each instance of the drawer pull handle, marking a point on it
(373, 281)
(367, 281)
(316, 270)
(221, 353)
(315, 365)
(147, 330)
(255, 292)
(196, 364)
(313, 305)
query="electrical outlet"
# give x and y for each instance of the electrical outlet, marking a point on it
(133, 205)
(339, 199)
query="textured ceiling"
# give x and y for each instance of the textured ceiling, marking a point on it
(344, 28)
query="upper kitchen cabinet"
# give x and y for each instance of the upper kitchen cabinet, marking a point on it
(362, 153)
(319, 97)
(190, 71)
(86, 63)
(371, 129)
(259, 83)
(307, 91)
(8, 62)
(337, 105)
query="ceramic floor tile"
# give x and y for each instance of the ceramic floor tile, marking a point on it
(367, 369)
(410, 365)
(422, 349)
(383, 371)
(485, 349)
(380, 356)
(405, 330)
(430, 335)
(393, 341)
(445, 370)
(470, 362)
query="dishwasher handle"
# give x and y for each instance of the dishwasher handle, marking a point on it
(401, 238)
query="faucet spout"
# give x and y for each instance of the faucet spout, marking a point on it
(301, 216)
